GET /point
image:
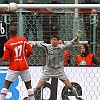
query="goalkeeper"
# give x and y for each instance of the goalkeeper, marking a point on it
(54, 64)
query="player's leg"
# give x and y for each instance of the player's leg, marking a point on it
(43, 79)
(30, 90)
(10, 77)
(4, 89)
(26, 77)
(69, 85)
(63, 77)
(38, 87)
(73, 90)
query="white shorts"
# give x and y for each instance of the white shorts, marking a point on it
(12, 75)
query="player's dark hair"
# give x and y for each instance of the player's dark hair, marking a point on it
(86, 47)
(55, 36)
(62, 40)
(84, 54)
(12, 30)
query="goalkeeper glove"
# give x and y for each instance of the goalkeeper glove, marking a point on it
(79, 34)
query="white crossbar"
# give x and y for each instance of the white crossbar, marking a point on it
(53, 5)
(79, 42)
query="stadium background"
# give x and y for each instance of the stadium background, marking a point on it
(44, 1)
(66, 21)
(87, 77)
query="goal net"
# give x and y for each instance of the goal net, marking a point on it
(39, 24)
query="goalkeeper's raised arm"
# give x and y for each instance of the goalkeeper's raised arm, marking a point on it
(72, 42)
(78, 35)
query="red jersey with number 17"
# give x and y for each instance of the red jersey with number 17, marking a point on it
(17, 50)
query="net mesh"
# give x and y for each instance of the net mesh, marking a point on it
(40, 24)
(84, 79)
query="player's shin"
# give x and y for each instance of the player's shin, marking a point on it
(35, 91)
(73, 90)
(3, 94)
(31, 94)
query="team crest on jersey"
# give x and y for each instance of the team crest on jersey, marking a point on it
(83, 62)
(58, 50)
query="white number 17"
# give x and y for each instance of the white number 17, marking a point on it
(18, 50)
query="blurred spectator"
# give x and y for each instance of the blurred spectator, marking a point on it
(13, 19)
(96, 24)
(87, 19)
(85, 57)
(30, 1)
(5, 2)
(9, 17)
(89, 2)
(6, 9)
(67, 58)
(50, 23)
(31, 23)
(54, 2)
(5, 15)
(89, 24)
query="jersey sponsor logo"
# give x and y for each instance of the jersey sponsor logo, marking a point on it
(83, 62)
(16, 43)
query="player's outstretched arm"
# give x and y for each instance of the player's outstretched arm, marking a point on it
(78, 35)
(31, 43)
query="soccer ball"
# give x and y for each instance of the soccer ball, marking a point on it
(12, 7)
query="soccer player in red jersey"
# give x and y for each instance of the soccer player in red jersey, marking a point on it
(17, 50)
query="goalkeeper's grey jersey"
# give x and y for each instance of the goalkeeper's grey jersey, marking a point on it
(54, 55)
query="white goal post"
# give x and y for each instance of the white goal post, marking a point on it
(54, 5)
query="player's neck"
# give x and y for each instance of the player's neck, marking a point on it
(54, 45)
(12, 36)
